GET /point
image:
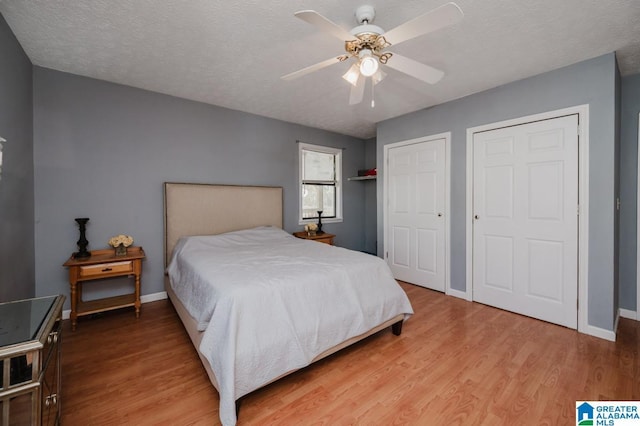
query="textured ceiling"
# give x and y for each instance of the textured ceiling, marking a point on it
(232, 54)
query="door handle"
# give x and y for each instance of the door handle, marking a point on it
(476, 217)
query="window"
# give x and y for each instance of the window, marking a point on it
(320, 178)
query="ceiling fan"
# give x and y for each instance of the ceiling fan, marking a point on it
(367, 43)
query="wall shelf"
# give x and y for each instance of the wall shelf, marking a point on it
(362, 178)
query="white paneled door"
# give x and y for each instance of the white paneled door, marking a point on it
(416, 212)
(525, 227)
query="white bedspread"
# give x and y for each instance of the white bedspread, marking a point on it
(269, 303)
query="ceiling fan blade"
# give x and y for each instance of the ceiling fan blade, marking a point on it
(357, 91)
(378, 76)
(311, 68)
(440, 17)
(322, 23)
(415, 69)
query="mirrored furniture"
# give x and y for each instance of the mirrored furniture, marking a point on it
(30, 341)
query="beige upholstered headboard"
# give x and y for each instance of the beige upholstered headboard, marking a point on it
(202, 209)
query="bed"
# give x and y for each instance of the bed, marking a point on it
(243, 289)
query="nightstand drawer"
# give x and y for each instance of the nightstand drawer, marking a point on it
(106, 268)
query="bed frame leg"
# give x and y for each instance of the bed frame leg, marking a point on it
(238, 407)
(397, 328)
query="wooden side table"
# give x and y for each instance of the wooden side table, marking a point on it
(104, 264)
(321, 238)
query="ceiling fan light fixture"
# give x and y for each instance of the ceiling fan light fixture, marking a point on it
(352, 75)
(368, 63)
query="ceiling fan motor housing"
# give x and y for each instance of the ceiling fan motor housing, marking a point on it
(364, 17)
(368, 36)
(365, 14)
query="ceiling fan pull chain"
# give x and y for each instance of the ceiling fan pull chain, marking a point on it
(373, 101)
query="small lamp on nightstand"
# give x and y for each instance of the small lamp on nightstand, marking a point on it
(319, 231)
(82, 242)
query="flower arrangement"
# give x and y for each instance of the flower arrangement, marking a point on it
(125, 240)
(311, 228)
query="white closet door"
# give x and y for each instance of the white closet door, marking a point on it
(525, 228)
(416, 213)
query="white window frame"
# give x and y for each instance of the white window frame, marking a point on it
(327, 150)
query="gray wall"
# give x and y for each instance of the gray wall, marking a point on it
(370, 201)
(629, 109)
(17, 277)
(103, 150)
(616, 227)
(590, 82)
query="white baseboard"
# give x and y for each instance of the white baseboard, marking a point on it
(590, 330)
(459, 294)
(144, 299)
(153, 297)
(600, 333)
(626, 313)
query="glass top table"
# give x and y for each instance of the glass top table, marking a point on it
(21, 320)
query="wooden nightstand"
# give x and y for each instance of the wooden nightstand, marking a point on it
(104, 264)
(321, 238)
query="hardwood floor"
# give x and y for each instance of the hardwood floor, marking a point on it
(456, 363)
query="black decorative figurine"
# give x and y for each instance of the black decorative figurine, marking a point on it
(319, 231)
(82, 242)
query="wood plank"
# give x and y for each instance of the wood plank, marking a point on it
(456, 362)
(107, 255)
(106, 304)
